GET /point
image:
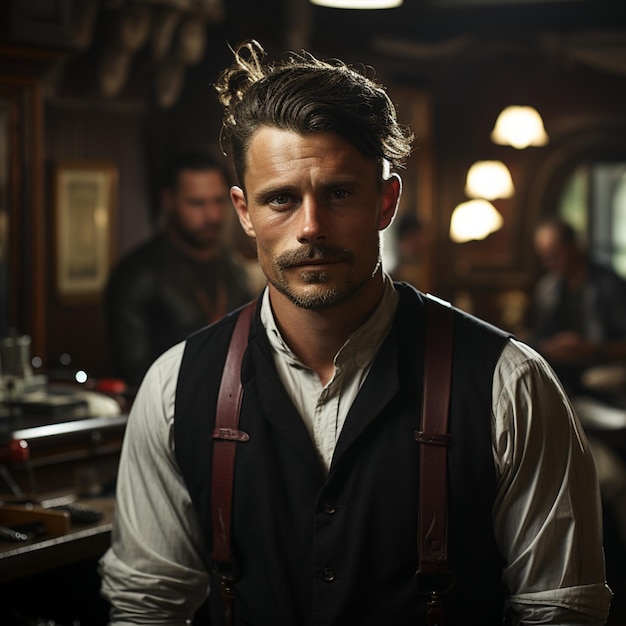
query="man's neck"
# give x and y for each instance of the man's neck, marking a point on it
(202, 255)
(315, 337)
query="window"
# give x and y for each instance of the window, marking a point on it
(593, 201)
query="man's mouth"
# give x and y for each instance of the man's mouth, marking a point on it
(314, 263)
(314, 258)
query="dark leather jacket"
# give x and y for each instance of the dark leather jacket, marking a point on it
(157, 296)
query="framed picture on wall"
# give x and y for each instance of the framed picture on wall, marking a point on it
(85, 196)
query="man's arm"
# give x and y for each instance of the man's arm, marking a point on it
(154, 571)
(547, 514)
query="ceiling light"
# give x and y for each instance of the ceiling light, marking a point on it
(358, 4)
(520, 127)
(474, 220)
(489, 180)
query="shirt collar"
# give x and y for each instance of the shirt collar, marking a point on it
(360, 347)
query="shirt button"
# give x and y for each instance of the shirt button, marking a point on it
(328, 575)
(329, 508)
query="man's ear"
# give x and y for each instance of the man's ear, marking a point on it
(238, 198)
(392, 190)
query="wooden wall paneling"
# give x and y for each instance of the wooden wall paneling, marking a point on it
(26, 272)
(90, 133)
(414, 108)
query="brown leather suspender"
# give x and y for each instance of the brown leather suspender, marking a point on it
(433, 576)
(227, 436)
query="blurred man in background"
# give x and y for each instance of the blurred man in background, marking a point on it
(182, 278)
(579, 307)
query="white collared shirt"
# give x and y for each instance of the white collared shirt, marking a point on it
(325, 417)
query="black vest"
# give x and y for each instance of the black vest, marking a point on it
(336, 550)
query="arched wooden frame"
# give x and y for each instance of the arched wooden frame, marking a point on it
(594, 142)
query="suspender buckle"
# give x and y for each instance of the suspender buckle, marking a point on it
(230, 434)
(225, 573)
(434, 611)
(435, 583)
(436, 439)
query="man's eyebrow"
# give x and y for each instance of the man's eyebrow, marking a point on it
(263, 194)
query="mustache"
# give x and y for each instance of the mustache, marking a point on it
(313, 254)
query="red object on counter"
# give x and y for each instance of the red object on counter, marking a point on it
(111, 385)
(15, 452)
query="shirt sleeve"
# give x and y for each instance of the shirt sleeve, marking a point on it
(153, 572)
(547, 514)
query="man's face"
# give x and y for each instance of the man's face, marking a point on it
(315, 206)
(554, 254)
(196, 207)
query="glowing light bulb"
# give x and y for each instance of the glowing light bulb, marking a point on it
(489, 180)
(474, 220)
(520, 127)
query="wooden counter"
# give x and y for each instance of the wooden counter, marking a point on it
(78, 457)
(53, 577)
(45, 553)
(81, 454)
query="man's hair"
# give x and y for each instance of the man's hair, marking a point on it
(303, 94)
(195, 161)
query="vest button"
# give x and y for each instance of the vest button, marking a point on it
(328, 575)
(329, 508)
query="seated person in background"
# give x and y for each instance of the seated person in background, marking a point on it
(179, 280)
(579, 316)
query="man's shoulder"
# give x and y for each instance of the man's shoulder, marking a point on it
(412, 300)
(212, 339)
(140, 266)
(145, 253)
(167, 364)
(202, 363)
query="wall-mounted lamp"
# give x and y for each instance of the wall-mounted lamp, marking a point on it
(489, 180)
(520, 127)
(358, 4)
(474, 220)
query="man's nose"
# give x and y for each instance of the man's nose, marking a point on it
(311, 226)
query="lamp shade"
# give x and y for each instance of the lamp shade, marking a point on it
(474, 220)
(520, 127)
(358, 4)
(489, 180)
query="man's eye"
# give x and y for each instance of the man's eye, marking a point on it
(339, 194)
(282, 200)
